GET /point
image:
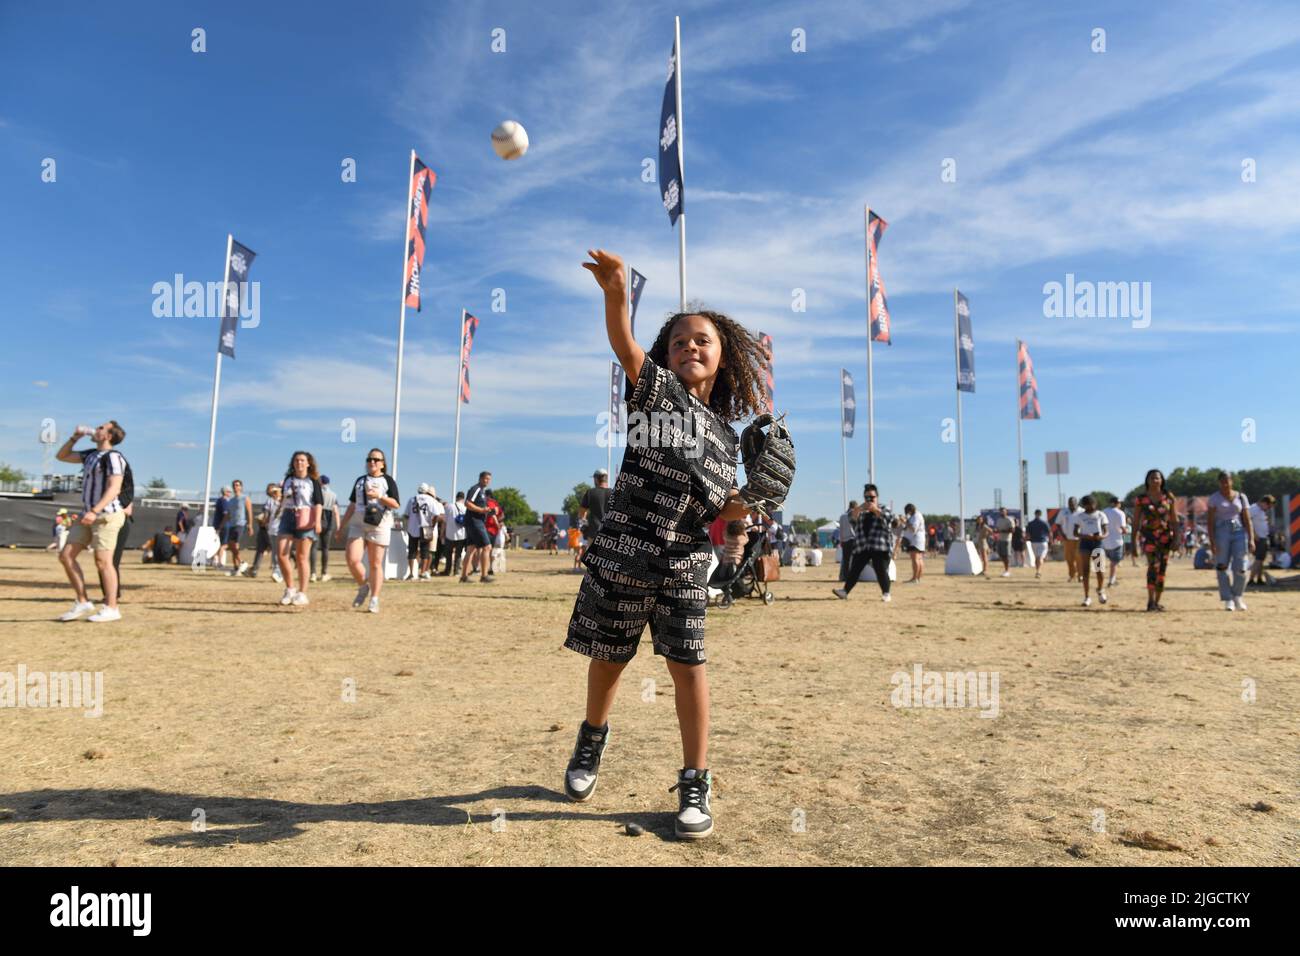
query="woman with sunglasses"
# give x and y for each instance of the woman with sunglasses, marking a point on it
(875, 544)
(301, 503)
(369, 522)
(1154, 526)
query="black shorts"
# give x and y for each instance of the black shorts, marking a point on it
(230, 534)
(1004, 548)
(476, 535)
(608, 619)
(417, 546)
(1087, 546)
(1261, 549)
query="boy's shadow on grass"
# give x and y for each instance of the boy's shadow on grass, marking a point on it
(232, 820)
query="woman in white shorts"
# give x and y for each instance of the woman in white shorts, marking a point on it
(369, 524)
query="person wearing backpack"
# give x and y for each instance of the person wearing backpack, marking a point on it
(103, 473)
(126, 498)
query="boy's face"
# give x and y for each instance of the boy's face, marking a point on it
(694, 349)
(1090, 507)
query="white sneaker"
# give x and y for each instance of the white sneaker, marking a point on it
(106, 613)
(287, 597)
(312, 579)
(374, 605)
(1087, 602)
(1101, 596)
(325, 577)
(300, 599)
(1006, 574)
(276, 576)
(886, 598)
(1241, 605)
(1227, 606)
(243, 568)
(1111, 582)
(78, 609)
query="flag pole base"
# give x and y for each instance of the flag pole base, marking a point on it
(200, 546)
(962, 558)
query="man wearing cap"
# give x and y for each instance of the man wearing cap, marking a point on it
(591, 510)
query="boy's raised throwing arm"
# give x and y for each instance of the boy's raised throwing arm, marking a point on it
(610, 275)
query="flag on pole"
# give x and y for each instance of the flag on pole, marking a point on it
(965, 347)
(848, 406)
(615, 397)
(235, 285)
(416, 218)
(879, 307)
(638, 284)
(1028, 385)
(671, 189)
(769, 380)
(471, 326)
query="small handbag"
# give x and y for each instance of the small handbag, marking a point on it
(303, 519)
(374, 512)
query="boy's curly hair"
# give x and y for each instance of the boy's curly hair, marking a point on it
(738, 392)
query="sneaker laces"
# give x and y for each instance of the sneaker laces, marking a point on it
(693, 792)
(584, 755)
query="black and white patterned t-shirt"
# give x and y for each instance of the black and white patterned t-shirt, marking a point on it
(300, 493)
(678, 470)
(96, 467)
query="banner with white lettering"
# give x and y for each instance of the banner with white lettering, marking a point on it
(235, 294)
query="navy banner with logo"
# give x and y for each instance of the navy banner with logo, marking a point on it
(671, 189)
(638, 283)
(235, 289)
(965, 347)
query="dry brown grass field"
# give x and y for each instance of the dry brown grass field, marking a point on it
(1122, 738)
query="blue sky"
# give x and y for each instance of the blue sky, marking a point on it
(1117, 166)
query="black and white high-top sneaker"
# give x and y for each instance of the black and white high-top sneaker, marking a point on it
(694, 816)
(584, 766)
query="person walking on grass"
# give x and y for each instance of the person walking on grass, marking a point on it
(1039, 533)
(477, 541)
(102, 518)
(268, 520)
(1155, 532)
(454, 535)
(1090, 527)
(982, 535)
(874, 537)
(1230, 531)
(1065, 522)
(1113, 545)
(233, 524)
(369, 525)
(1262, 526)
(1004, 528)
(913, 539)
(329, 523)
(300, 523)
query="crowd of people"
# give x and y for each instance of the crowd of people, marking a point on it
(297, 524)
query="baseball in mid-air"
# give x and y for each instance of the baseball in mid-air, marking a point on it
(510, 140)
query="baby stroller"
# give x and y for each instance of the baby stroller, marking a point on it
(728, 582)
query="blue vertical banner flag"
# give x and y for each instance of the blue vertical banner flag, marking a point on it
(235, 295)
(878, 305)
(848, 405)
(671, 189)
(615, 398)
(638, 284)
(1029, 408)
(965, 347)
(417, 217)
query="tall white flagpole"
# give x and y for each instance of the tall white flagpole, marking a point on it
(844, 452)
(401, 322)
(216, 386)
(681, 168)
(871, 401)
(961, 460)
(460, 378)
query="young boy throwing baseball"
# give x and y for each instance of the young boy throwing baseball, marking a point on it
(649, 562)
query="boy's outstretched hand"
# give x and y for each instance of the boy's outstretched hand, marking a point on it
(608, 270)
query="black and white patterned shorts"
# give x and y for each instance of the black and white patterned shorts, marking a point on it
(612, 611)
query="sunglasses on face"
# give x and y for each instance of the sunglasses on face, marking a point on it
(379, 460)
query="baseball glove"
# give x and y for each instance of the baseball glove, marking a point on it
(769, 463)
